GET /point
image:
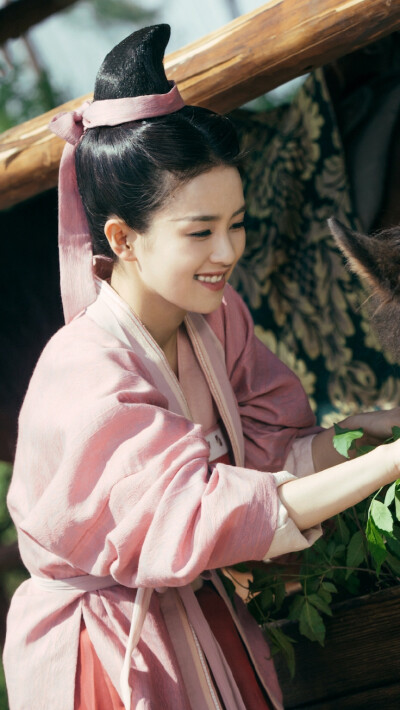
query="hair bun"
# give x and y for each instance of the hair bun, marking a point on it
(135, 66)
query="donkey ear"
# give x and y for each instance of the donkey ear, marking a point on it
(372, 258)
(360, 252)
(377, 260)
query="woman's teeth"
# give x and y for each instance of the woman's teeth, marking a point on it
(211, 279)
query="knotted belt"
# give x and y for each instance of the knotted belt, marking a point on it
(89, 583)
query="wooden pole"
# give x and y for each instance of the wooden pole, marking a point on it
(17, 17)
(249, 56)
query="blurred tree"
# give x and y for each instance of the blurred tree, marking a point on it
(24, 93)
(122, 10)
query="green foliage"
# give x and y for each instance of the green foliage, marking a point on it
(383, 510)
(3, 690)
(344, 439)
(359, 553)
(279, 642)
(355, 551)
(22, 96)
(381, 515)
(376, 544)
(7, 530)
(10, 580)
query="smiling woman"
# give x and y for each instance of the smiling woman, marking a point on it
(159, 440)
(169, 269)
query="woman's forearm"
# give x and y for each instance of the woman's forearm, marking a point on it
(313, 499)
(323, 452)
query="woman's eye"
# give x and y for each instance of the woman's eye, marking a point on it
(205, 233)
(238, 225)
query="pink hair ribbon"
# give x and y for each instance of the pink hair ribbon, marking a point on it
(75, 246)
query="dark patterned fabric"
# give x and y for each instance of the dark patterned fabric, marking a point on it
(306, 305)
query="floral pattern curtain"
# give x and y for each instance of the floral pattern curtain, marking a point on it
(308, 308)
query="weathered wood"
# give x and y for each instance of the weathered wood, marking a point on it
(253, 54)
(385, 697)
(361, 655)
(17, 17)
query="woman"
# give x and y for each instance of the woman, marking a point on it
(159, 440)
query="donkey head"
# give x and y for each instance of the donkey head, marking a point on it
(376, 259)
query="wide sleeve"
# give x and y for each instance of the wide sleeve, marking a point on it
(287, 536)
(111, 482)
(273, 406)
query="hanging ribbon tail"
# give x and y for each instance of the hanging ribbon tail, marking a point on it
(78, 288)
(140, 607)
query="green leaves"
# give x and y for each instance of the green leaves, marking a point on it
(381, 533)
(396, 485)
(358, 553)
(279, 642)
(311, 624)
(390, 494)
(355, 554)
(307, 609)
(319, 603)
(381, 515)
(376, 544)
(7, 530)
(344, 439)
(342, 529)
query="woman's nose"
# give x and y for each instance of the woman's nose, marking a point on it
(223, 251)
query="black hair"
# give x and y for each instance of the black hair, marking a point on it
(130, 170)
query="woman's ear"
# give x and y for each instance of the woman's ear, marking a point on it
(121, 238)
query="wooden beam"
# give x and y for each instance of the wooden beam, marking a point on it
(249, 56)
(17, 17)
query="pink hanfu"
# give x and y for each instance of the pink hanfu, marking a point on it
(112, 484)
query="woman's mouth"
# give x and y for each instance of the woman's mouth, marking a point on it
(214, 282)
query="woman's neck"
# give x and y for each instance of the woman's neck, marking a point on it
(152, 315)
(171, 352)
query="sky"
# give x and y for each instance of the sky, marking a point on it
(72, 44)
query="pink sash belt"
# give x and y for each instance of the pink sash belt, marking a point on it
(89, 583)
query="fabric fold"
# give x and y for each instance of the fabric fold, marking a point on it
(287, 537)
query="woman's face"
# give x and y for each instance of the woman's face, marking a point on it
(185, 258)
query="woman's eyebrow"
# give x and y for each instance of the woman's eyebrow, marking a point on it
(205, 217)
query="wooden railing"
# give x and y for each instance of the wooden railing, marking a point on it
(244, 59)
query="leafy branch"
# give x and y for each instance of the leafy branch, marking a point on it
(382, 532)
(359, 553)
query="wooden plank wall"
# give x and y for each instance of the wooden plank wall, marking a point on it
(251, 55)
(359, 666)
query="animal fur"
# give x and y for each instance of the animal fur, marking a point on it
(376, 260)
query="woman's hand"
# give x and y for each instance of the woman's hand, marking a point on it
(377, 427)
(394, 455)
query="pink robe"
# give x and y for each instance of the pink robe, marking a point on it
(112, 478)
